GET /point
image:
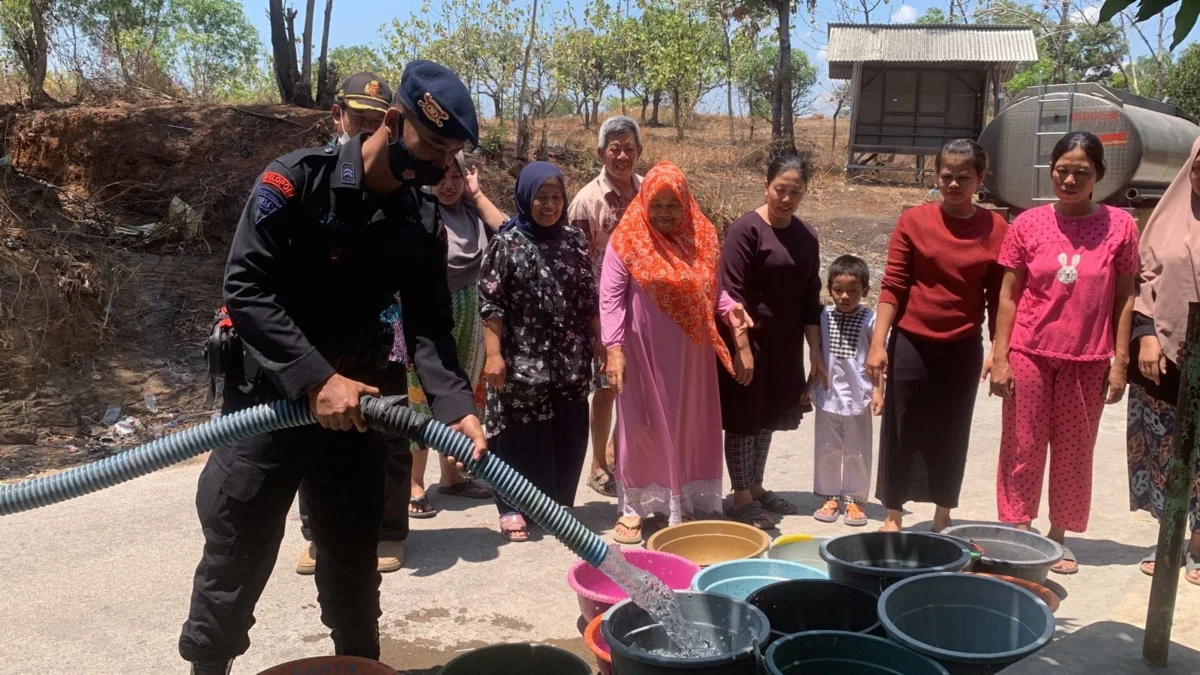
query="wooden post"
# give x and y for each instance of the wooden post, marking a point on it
(855, 102)
(1177, 491)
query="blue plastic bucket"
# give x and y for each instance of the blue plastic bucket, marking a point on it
(739, 578)
(972, 625)
(829, 652)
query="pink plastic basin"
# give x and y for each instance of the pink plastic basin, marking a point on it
(597, 592)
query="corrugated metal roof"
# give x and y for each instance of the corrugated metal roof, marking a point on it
(931, 43)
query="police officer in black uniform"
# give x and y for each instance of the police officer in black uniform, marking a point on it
(327, 239)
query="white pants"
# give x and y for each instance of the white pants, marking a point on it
(842, 461)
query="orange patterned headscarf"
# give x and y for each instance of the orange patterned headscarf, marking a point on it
(677, 270)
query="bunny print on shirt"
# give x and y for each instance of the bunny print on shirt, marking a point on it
(1069, 274)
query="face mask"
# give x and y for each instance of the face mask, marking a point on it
(344, 138)
(409, 169)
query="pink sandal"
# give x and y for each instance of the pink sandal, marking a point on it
(514, 528)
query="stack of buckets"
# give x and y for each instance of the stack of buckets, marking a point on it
(864, 603)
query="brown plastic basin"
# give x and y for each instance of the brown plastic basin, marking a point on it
(708, 542)
(331, 665)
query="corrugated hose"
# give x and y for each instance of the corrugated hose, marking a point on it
(388, 414)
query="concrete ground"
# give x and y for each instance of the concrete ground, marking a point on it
(100, 584)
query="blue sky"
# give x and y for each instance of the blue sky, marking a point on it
(357, 22)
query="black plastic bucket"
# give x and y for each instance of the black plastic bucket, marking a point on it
(970, 624)
(1011, 552)
(736, 627)
(817, 605)
(873, 561)
(826, 652)
(517, 659)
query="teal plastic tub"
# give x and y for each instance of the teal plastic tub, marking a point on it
(739, 578)
(971, 624)
(827, 652)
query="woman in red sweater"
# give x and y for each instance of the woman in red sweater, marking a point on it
(941, 274)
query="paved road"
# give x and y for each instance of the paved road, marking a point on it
(100, 584)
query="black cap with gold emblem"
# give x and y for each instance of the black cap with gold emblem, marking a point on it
(440, 100)
(365, 91)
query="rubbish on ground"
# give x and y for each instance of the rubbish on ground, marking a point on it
(181, 211)
(151, 402)
(111, 415)
(126, 427)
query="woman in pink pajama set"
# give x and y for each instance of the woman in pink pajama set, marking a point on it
(1066, 307)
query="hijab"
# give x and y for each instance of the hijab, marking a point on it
(530, 180)
(678, 270)
(1170, 260)
(466, 238)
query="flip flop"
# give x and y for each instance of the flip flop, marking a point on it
(602, 481)
(468, 489)
(752, 514)
(633, 539)
(855, 521)
(1068, 556)
(1148, 559)
(776, 504)
(827, 517)
(425, 509)
(1192, 564)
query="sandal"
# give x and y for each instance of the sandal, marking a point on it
(776, 504)
(633, 539)
(419, 507)
(1068, 556)
(855, 516)
(829, 512)
(467, 489)
(1192, 564)
(513, 527)
(602, 481)
(752, 514)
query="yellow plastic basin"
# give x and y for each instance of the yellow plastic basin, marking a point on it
(708, 542)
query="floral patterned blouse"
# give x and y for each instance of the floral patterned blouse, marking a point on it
(546, 293)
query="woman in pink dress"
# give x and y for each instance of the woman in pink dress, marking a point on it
(658, 297)
(1066, 309)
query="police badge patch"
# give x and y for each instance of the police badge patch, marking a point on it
(269, 201)
(347, 174)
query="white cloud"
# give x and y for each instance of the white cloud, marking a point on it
(1088, 15)
(904, 14)
(822, 54)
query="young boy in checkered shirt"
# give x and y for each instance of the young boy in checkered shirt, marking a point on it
(842, 467)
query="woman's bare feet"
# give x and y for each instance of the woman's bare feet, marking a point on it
(894, 522)
(941, 519)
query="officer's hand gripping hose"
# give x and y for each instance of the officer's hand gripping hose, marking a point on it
(383, 414)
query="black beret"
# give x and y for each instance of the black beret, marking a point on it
(440, 100)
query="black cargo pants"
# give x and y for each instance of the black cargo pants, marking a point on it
(243, 498)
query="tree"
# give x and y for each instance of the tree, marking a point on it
(683, 54)
(933, 15)
(346, 61)
(215, 46)
(1185, 19)
(23, 24)
(756, 77)
(580, 70)
(782, 126)
(522, 108)
(133, 33)
(1183, 84)
(1073, 47)
(295, 79)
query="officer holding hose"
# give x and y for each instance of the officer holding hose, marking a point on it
(328, 237)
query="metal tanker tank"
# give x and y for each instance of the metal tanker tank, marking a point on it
(1145, 143)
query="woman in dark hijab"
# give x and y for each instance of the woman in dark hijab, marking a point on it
(539, 304)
